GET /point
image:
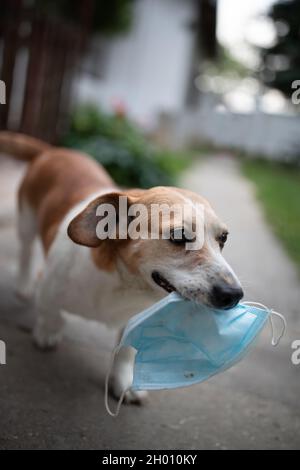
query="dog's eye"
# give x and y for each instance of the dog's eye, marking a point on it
(178, 236)
(222, 239)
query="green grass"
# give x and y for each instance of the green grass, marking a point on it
(278, 188)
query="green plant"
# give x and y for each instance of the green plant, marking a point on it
(122, 149)
(110, 17)
(281, 61)
(278, 188)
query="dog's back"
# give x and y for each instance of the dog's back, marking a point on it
(56, 180)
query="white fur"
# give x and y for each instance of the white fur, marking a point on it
(71, 282)
(27, 232)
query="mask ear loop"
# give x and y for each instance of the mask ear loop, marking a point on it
(271, 312)
(111, 364)
(284, 325)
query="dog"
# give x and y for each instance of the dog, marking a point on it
(105, 279)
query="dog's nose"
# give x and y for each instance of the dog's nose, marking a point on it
(225, 296)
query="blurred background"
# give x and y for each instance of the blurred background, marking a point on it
(198, 93)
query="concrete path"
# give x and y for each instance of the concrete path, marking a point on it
(55, 400)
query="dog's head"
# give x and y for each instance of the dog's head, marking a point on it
(179, 250)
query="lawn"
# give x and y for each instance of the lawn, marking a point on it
(278, 188)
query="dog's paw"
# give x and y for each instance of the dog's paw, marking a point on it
(134, 397)
(139, 397)
(24, 292)
(44, 340)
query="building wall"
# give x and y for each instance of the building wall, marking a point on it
(148, 68)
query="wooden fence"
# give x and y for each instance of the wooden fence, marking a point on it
(39, 57)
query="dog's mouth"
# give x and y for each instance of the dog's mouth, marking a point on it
(162, 282)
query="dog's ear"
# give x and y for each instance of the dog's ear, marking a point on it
(83, 228)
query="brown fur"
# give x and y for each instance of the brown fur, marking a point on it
(82, 230)
(55, 181)
(59, 179)
(20, 146)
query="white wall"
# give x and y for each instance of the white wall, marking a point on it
(275, 136)
(148, 68)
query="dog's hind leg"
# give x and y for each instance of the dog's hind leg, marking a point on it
(27, 231)
(49, 325)
(51, 290)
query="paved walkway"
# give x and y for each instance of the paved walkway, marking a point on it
(55, 400)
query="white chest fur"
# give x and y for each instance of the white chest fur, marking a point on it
(80, 287)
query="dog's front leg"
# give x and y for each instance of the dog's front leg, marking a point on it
(122, 375)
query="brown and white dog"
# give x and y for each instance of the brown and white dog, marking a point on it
(107, 280)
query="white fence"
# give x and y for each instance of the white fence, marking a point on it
(272, 135)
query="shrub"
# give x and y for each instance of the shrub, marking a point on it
(122, 149)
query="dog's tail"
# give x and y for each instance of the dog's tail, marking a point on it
(21, 146)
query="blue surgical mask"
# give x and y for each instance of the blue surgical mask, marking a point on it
(179, 342)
